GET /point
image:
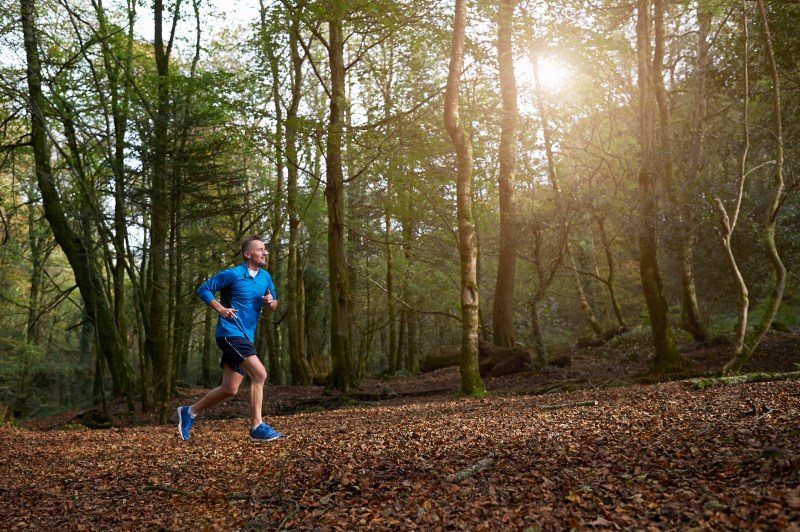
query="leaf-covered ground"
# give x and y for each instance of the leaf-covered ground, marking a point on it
(660, 456)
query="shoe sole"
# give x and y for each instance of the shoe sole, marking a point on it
(259, 440)
(180, 425)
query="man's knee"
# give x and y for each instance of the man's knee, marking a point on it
(258, 376)
(229, 390)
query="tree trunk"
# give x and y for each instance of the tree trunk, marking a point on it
(690, 311)
(208, 335)
(742, 355)
(402, 338)
(341, 378)
(145, 377)
(552, 173)
(302, 329)
(98, 386)
(612, 271)
(471, 382)
(390, 295)
(503, 305)
(728, 223)
(536, 337)
(294, 274)
(33, 328)
(81, 259)
(184, 320)
(666, 357)
(412, 356)
(386, 82)
(412, 350)
(591, 319)
(175, 275)
(157, 339)
(119, 119)
(267, 329)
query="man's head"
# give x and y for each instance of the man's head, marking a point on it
(254, 252)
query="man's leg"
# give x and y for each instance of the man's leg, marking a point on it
(258, 375)
(259, 431)
(231, 379)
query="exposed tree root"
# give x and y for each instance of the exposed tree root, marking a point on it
(468, 472)
(708, 382)
(568, 405)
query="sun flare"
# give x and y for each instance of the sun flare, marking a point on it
(554, 78)
(554, 74)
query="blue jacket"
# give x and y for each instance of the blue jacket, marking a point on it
(241, 291)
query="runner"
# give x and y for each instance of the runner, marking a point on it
(243, 290)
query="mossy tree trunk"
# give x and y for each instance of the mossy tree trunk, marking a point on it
(471, 382)
(666, 357)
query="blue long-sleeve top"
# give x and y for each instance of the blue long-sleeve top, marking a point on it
(241, 291)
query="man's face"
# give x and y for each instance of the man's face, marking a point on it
(257, 253)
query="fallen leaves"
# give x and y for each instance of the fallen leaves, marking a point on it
(656, 456)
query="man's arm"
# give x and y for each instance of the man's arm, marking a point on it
(270, 297)
(216, 283)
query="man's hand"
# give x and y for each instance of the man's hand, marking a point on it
(271, 303)
(228, 313)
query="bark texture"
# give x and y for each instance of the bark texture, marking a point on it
(334, 196)
(503, 304)
(471, 382)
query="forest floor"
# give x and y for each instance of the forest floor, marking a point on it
(587, 446)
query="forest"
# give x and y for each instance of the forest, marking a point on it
(524, 174)
(465, 205)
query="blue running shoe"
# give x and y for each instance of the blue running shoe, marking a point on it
(264, 432)
(184, 422)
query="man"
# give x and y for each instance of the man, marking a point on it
(243, 290)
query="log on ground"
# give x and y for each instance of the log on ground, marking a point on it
(493, 361)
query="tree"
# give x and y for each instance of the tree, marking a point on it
(744, 343)
(681, 209)
(267, 330)
(160, 215)
(666, 357)
(503, 305)
(294, 269)
(690, 311)
(471, 382)
(334, 196)
(79, 255)
(561, 206)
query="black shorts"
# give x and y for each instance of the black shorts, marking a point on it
(234, 350)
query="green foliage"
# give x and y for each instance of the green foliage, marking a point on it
(787, 319)
(34, 382)
(634, 345)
